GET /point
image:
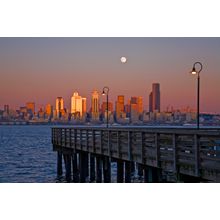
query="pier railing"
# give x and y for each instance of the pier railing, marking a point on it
(189, 152)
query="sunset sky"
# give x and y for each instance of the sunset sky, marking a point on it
(40, 69)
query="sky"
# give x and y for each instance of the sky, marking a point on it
(41, 69)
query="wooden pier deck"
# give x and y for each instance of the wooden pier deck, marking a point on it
(159, 154)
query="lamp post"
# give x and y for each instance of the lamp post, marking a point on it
(105, 91)
(194, 72)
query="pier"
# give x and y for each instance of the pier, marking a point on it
(155, 154)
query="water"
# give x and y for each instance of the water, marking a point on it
(26, 154)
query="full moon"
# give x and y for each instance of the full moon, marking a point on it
(123, 59)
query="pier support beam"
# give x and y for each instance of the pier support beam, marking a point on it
(107, 169)
(152, 174)
(120, 171)
(156, 175)
(98, 169)
(83, 166)
(140, 170)
(92, 167)
(189, 179)
(146, 180)
(132, 167)
(148, 174)
(128, 171)
(86, 156)
(75, 168)
(67, 159)
(59, 164)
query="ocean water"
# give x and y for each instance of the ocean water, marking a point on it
(26, 154)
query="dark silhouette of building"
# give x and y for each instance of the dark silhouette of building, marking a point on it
(154, 98)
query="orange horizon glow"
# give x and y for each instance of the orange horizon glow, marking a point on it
(41, 69)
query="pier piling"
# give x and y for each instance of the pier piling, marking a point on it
(59, 164)
(98, 169)
(92, 167)
(156, 154)
(120, 171)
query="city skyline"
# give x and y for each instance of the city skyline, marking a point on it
(78, 104)
(40, 69)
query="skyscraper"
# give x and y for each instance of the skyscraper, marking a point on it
(104, 107)
(83, 106)
(59, 106)
(95, 105)
(140, 104)
(154, 98)
(49, 110)
(134, 103)
(76, 104)
(6, 109)
(30, 107)
(119, 106)
(134, 115)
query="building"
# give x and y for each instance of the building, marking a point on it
(104, 107)
(134, 103)
(84, 108)
(41, 113)
(128, 109)
(95, 105)
(76, 104)
(59, 106)
(154, 98)
(30, 107)
(119, 106)
(140, 104)
(49, 110)
(6, 109)
(134, 114)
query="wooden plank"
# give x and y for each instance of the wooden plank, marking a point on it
(195, 151)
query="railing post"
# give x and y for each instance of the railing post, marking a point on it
(80, 138)
(142, 148)
(101, 133)
(70, 137)
(129, 145)
(118, 144)
(65, 134)
(87, 140)
(109, 144)
(93, 141)
(174, 136)
(157, 146)
(75, 137)
(197, 156)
